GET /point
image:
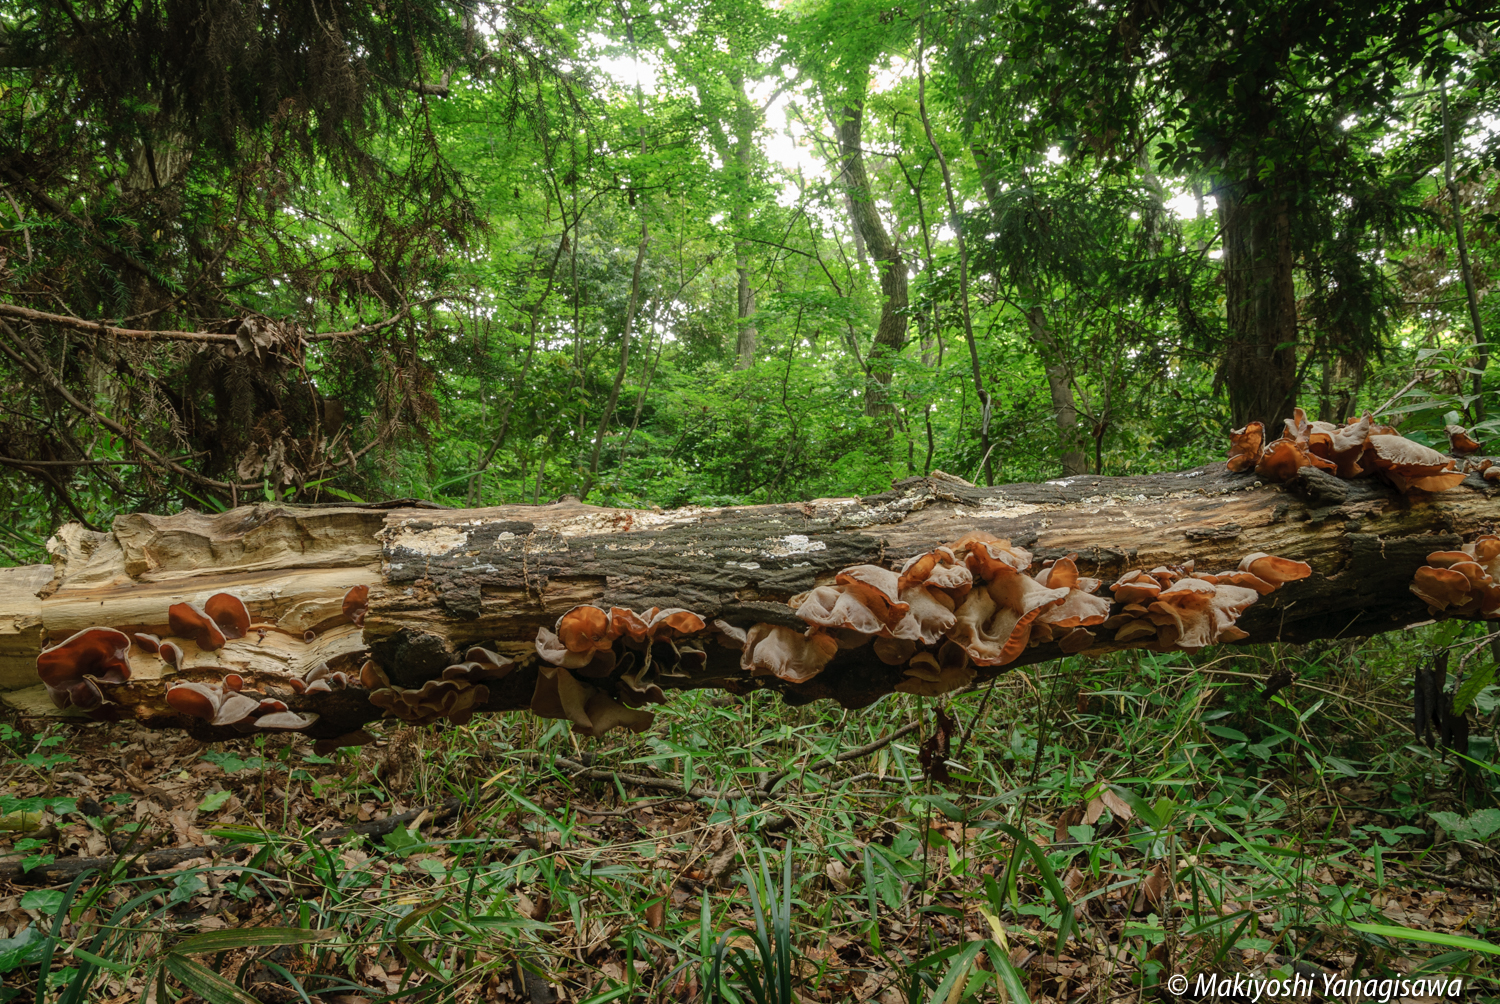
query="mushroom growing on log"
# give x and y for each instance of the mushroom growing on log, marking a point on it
(587, 614)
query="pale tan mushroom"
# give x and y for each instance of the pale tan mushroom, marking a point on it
(787, 654)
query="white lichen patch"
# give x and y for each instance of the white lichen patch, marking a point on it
(438, 540)
(793, 543)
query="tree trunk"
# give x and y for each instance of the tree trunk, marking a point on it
(1060, 389)
(1259, 367)
(747, 334)
(890, 336)
(443, 580)
(746, 117)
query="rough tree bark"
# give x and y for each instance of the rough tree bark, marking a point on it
(1259, 365)
(890, 335)
(442, 580)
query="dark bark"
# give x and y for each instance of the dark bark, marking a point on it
(1259, 364)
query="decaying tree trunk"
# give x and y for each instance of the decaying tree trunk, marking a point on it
(441, 581)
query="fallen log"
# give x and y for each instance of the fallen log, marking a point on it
(352, 613)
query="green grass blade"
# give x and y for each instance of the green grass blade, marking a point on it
(254, 937)
(204, 982)
(958, 971)
(1010, 979)
(1429, 937)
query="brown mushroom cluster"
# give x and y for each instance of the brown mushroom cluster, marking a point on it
(227, 704)
(975, 602)
(1357, 449)
(86, 668)
(456, 695)
(582, 644)
(1462, 583)
(1178, 607)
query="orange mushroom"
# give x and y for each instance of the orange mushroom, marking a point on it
(1201, 613)
(1080, 608)
(1440, 588)
(1407, 464)
(584, 629)
(1274, 570)
(1135, 587)
(1460, 442)
(934, 674)
(1245, 446)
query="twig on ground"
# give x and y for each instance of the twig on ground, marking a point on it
(853, 754)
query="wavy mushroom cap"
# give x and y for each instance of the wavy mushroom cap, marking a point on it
(148, 642)
(229, 613)
(1478, 577)
(1201, 613)
(99, 652)
(1245, 446)
(605, 713)
(1283, 458)
(561, 695)
(729, 636)
(190, 621)
(932, 676)
(1135, 587)
(372, 677)
(234, 708)
(552, 650)
(994, 623)
(787, 654)
(837, 607)
(1249, 580)
(878, 589)
(357, 604)
(584, 629)
(1459, 441)
(1441, 588)
(936, 569)
(1405, 457)
(198, 700)
(1273, 569)
(1486, 550)
(1079, 609)
(1439, 482)
(988, 558)
(286, 720)
(671, 623)
(1344, 447)
(171, 654)
(930, 615)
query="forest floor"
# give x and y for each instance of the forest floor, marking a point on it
(1176, 822)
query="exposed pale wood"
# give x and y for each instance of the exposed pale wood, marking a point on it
(21, 630)
(443, 580)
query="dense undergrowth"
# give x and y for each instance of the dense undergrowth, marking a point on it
(1287, 821)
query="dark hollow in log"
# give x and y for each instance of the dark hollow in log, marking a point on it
(440, 581)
